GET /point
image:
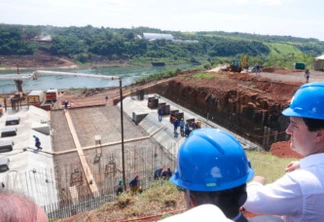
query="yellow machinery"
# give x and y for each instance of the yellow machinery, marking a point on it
(235, 66)
(244, 63)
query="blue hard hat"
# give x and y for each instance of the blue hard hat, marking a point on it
(211, 160)
(307, 102)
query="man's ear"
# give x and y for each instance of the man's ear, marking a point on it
(319, 136)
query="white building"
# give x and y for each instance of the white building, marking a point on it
(156, 36)
(319, 63)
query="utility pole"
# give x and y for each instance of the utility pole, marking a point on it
(122, 130)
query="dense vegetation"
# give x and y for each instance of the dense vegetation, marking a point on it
(88, 44)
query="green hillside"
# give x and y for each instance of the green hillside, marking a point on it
(90, 44)
(283, 49)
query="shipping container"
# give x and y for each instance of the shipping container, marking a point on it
(300, 65)
(51, 95)
(36, 97)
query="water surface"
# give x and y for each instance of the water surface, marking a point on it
(128, 74)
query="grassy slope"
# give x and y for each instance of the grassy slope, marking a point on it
(277, 49)
(166, 198)
(283, 49)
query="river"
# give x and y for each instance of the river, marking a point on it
(128, 74)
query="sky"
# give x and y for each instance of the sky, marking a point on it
(298, 18)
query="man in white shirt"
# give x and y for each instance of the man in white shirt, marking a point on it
(299, 194)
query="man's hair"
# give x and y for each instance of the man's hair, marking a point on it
(314, 124)
(16, 208)
(227, 200)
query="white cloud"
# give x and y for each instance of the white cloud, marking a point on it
(264, 2)
(273, 17)
(271, 2)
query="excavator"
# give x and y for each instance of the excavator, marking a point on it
(237, 66)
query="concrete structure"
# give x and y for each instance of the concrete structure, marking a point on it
(165, 136)
(156, 36)
(78, 166)
(30, 172)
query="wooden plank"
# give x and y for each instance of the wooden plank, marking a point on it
(74, 194)
(91, 182)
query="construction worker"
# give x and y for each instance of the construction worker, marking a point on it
(176, 125)
(37, 143)
(169, 173)
(182, 125)
(212, 168)
(133, 184)
(164, 175)
(187, 129)
(160, 113)
(119, 189)
(158, 173)
(66, 103)
(307, 74)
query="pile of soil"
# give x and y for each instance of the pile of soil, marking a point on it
(282, 150)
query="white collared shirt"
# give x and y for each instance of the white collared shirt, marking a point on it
(298, 195)
(205, 213)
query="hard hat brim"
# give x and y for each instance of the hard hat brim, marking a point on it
(290, 112)
(302, 114)
(203, 188)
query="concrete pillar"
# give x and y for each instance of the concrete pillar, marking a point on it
(275, 135)
(268, 137)
(264, 136)
(237, 107)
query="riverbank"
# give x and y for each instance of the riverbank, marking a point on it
(46, 61)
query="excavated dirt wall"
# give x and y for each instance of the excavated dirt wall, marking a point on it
(240, 103)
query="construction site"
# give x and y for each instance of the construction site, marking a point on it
(88, 146)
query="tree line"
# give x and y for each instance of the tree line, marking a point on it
(88, 43)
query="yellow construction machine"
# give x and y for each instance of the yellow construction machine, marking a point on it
(235, 66)
(238, 66)
(244, 63)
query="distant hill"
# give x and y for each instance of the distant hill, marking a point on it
(96, 45)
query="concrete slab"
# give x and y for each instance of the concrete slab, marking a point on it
(166, 137)
(31, 173)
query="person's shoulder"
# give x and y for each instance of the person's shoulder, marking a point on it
(205, 212)
(265, 219)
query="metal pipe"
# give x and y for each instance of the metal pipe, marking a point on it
(49, 73)
(15, 76)
(37, 73)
